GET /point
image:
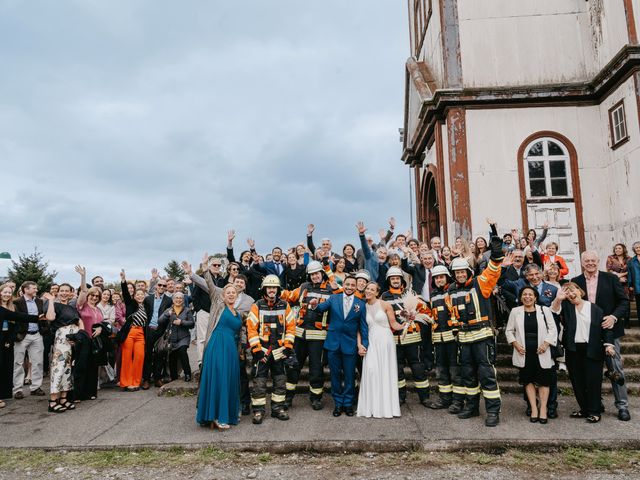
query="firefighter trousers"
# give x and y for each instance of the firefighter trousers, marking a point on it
(313, 350)
(261, 372)
(476, 361)
(449, 373)
(410, 354)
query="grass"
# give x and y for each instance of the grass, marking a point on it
(559, 460)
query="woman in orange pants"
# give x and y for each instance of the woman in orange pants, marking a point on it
(131, 335)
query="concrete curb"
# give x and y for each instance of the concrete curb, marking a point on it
(493, 446)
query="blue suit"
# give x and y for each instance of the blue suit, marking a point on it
(271, 268)
(342, 346)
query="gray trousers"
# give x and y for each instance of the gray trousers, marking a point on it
(615, 363)
(33, 344)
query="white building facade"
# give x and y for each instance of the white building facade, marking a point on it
(526, 112)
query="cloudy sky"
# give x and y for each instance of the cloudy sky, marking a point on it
(137, 131)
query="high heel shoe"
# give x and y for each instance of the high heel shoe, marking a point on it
(534, 419)
(543, 421)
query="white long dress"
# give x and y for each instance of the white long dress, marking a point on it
(379, 384)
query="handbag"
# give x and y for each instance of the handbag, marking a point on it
(557, 350)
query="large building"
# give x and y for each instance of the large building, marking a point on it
(527, 112)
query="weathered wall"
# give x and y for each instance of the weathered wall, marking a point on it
(431, 52)
(610, 201)
(510, 43)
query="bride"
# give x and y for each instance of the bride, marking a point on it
(378, 396)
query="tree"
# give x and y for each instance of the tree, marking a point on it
(32, 268)
(174, 270)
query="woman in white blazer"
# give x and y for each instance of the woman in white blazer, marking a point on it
(532, 330)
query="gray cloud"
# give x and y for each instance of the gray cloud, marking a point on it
(136, 132)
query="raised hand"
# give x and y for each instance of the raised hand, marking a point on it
(562, 294)
(408, 234)
(154, 273)
(186, 266)
(490, 221)
(252, 244)
(123, 277)
(508, 259)
(205, 260)
(382, 233)
(392, 223)
(545, 226)
(361, 228)
(231, 234)
(48, 296)
(81, 270)
(310, 229)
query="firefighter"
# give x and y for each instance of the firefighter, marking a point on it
(311, 330)
(407, 346)
(445, 329)
(471, 305)
(362, 279)
(271, 334)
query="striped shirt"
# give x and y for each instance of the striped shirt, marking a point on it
(139, 317)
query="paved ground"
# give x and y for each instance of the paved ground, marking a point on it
(144, 419)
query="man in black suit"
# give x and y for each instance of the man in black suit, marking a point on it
(605, 290)
(154, 306)
(512, 273)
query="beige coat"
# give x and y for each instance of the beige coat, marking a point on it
(547, 332)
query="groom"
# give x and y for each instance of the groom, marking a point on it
(347, 315)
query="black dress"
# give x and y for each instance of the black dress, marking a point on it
(532, 371)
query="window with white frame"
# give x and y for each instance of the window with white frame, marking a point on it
(547, 170)
(618, 124)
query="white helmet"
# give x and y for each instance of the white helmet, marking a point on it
(461, 264)
(394, 272)
(270, 281)
(363, 274)
(314, 266)
(440, 270)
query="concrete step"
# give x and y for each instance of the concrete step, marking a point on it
(627, 347)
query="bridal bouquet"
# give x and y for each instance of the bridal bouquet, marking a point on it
(411, 312)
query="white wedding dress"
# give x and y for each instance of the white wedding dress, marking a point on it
(379, 383)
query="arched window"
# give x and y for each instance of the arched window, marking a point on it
(547, 170)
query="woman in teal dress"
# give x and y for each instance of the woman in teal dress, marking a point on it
(219, 393)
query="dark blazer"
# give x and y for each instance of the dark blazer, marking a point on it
(179, 335)
(21, 329)
(610, 298)
(148, 306)
(342, 334)
(418, 274)
(13, 318)
(510, 273)
(598, 336)
(549, 291)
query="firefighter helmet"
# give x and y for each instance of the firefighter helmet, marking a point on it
(363, 274)
(461, 264)
(394, 272)
(270, 281)
(440, 270)
(314, 266)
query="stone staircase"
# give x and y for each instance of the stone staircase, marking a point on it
(507, 374)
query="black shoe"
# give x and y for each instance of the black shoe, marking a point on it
(38, 392)
(455, 408)
(187, 378)
(246, 410)
(464, 414)
(439, 405)
(257, 418)
(349, 412)
(492, 420)
(552, 413)
(316, 404)
(280, 414)
(403, 401)
(337, 412)
(543, 421)
(18, 395)
(623, 415)
(533, 419)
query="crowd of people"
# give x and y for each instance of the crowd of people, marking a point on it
(366, 312)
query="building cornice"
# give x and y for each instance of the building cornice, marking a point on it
(593, 92)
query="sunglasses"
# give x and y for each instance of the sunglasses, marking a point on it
(233, 269)
(94, 295)
(216, 265)
(162, 285)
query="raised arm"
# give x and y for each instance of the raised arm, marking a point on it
(310, 228)
(489, 277)
(231, 234)
(366, 249)
(82, 296)
(545, 230)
